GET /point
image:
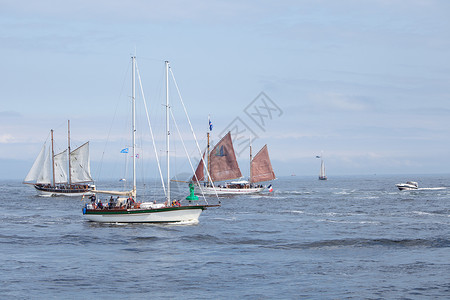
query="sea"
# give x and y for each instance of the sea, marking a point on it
(350, 237)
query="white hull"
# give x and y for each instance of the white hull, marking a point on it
(406, 187)
(229, 191)
(167, 215)
(410, 185)
(56, 194)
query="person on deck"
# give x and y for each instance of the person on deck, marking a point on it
(111, 203)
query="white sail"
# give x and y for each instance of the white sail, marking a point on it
(45, 174)
(36, 169)
(80, 166)
(322, 170)
(60, 167)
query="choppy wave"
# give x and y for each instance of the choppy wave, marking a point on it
(342, 239)
(366, 243)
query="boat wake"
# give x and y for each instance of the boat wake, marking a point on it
(432, 189)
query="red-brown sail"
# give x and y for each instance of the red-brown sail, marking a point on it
(199, 173)
(261, 168)
(223, 161)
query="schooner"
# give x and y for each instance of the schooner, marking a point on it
(64, 174)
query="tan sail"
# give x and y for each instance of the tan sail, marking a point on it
(223, 161)
(261, 167)
(200, 172)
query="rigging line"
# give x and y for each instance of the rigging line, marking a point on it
(151, 131)
(186, 152)
(192, 131)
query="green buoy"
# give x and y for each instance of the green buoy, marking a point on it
(191, 196)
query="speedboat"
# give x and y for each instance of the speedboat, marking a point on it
(409, 185)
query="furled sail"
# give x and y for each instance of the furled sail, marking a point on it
(223, 161)
(60, 161)
(45, 175)
(200, 172)
(261, 167)
(80, 165)
(36, 169)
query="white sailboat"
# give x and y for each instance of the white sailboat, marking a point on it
(128, 209)
(322, 175)
(63, 174)
(222, 166)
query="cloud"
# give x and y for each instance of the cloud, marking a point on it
(6, 139)
(340, 101)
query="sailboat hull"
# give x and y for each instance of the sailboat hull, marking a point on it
(229, 191)
(181, 214)
(63, 190)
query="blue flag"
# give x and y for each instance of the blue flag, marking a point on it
(124, 150)
(210, 124)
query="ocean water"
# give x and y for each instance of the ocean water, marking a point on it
(353, 237)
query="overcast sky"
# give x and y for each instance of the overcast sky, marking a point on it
(366, 82)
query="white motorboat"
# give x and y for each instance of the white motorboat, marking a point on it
(409, 185)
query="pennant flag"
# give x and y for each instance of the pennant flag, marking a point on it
(210, 124)
(317, 156)
(270, 188)
(124, 150)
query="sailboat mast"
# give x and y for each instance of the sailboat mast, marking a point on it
(53, 161)
(168, 132)
(250, 160)
(133, 125)
(68, 149)
(208, 161)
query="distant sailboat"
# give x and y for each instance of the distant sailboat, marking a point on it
(322, 175)
(63, 174)
(222, 166)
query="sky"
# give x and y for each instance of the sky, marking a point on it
(364, 84)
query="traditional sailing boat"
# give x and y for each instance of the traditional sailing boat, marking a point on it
(222, 166)
(322, 175)
(128, 209)
(63, 174)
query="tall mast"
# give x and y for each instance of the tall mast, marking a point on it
(133, 113)
(53, 160)
(168, 132)
(68, 148)
(208, 162)
(250, 160)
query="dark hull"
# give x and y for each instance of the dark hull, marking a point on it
(63, 190)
